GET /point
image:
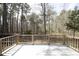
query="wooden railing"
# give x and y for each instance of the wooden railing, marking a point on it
(7, 42)
(41, 39)
(31, 39)
(57, 39)
(50, 39)
(72, 42)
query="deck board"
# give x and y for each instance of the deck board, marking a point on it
(41, 50)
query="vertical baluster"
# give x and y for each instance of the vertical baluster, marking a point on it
(13, 40)
(9, 41)
(23, 38)
(65, 40)
(72, 42)
(5, 42)
(2, 44)
(0, 47)
(77, 44)
(68, 42)
(32, 39)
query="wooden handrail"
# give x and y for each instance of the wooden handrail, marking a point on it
(6, 42)
(72, 42)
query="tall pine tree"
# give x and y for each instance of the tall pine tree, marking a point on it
(73, 23)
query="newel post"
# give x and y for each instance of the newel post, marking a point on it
(17, 38)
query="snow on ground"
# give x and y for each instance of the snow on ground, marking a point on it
(41, 50)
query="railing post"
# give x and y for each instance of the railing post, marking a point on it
(77, 44)
(72, 42)
(49, 40)
(64, 40)
(0, 48)
(32, 39)
(17, 39)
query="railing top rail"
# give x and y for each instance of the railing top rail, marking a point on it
(7, 37)
(72, 37)
(40, 35)
(33, 35)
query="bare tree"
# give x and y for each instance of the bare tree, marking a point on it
(44, 14)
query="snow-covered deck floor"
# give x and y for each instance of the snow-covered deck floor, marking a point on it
(41, 50)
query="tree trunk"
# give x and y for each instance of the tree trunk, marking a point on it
(10, 23)
(0, 23)
(44, 18)
(5, 24)
(49, 26)
(17, 22)
(22, 19)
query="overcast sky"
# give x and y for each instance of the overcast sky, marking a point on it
(35, 7)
